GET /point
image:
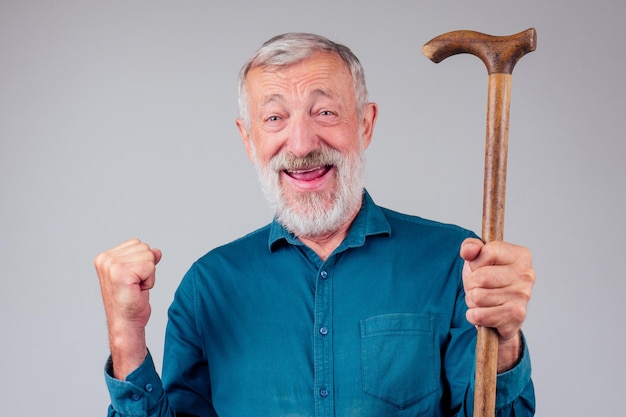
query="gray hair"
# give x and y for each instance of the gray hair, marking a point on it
(290, 48)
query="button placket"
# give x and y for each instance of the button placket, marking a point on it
(323, 343)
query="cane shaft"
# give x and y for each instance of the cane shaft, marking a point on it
(496, 150)
(494, 194)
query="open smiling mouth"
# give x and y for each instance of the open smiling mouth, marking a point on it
(309, 174)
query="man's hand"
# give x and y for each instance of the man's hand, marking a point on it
(126, 273)
(498, 278)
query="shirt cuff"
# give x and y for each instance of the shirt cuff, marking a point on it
(141, 392)
(510, 384)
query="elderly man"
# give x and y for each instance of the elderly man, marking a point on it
(338, 307)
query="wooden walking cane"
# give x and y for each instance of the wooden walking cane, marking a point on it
(499, 54)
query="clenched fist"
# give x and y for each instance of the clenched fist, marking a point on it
(126, 273)
(498, 278)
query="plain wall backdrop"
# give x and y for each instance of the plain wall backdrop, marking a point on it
(117, 121)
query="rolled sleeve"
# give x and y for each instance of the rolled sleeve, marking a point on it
(514, 383)
(511, 384)
(141, 392)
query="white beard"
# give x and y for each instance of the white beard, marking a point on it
(315, 214)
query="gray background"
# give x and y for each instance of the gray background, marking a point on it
(117, 120)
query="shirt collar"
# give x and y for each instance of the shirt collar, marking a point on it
(370, 221)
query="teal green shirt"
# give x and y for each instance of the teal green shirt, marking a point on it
(263, 327)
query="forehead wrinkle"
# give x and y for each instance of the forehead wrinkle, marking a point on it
(315, 85)
(296, 81)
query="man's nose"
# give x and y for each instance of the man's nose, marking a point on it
(303, 136)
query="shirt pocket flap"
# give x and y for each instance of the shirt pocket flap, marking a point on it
(399, 362)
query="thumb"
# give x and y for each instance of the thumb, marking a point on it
(157, 255)
(470, 249)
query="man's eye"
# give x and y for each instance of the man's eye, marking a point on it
(272, 119)
(326, 113)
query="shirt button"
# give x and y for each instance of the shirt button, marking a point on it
(135, 397)
(149, 387)
(324, 331)
(324, 274)
(324, 392)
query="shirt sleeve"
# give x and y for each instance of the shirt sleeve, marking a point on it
(510, 384)
(140, 395)
(515, 394)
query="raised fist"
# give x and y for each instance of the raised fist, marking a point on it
(126, 273)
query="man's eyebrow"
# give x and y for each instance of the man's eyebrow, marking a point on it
(321, 92)
(272, 98)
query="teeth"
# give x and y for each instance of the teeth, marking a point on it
(302, 171)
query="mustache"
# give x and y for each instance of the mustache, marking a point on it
(286, 161)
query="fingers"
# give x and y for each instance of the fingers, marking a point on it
(498, 278)
(125, 273)
(130, 253)
(479, 254)
(507, 319)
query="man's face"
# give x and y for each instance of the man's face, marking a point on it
(306, 138)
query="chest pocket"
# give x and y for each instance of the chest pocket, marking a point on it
(399, 362)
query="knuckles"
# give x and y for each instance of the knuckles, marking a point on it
(126, 263)
(499, 287)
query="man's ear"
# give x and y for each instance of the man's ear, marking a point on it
(245, 137)
(370, 114)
